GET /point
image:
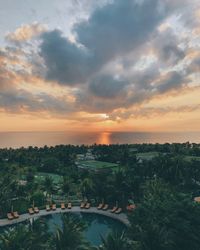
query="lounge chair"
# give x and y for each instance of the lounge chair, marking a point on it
(119, 210)
(15, 214)
(100, 206)
(62, 206)
(69, 206)
(87, 206)
(114, 209)
(54, 207)
(105, 207)
(36, 210)
(10, 216)
(31, 211)
(82, 205)
(48, 208)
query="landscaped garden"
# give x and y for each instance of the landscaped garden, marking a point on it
(93, 165)
(40, 177)
(161, 187)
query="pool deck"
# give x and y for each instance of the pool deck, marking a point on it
(23, 217)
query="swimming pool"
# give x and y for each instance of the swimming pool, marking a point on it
(97, 225)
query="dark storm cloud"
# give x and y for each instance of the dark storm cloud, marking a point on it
(142, 79)
(66, 63)
(117, 31)
(171, 52)
(106, 86)
(119, 27)
(173, 80)
(111, 31)
(101, 98)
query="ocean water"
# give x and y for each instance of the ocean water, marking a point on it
(40, 139)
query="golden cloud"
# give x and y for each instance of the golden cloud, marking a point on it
(26, 32)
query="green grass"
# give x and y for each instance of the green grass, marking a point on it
(40, 177)
(92, 164)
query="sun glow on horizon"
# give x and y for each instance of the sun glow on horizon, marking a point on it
(104, 138)
(73, 78)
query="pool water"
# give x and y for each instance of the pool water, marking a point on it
(97, 225)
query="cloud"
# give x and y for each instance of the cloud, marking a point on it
(106, 36)
(119, 27)
(25, 33)
(111, 31)
(14, 98)
(194, 66)
(66, 63)
(21, 102)
(119, 59)
(171, 81)
(107, 94)
(149, 112)
(166, 46)
(106, 86)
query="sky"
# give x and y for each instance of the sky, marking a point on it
(106, 65)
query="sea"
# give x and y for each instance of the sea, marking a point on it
(40, 139)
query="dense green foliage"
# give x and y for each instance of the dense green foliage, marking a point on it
(161, 179)
(165, 220)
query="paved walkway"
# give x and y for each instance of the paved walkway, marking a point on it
(120, 217)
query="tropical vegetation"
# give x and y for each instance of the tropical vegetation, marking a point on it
(160, 179)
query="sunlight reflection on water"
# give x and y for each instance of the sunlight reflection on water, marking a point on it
(104, 138)
(40, 139)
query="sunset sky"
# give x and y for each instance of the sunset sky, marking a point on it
(107, 65)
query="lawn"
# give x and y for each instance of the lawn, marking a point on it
(40, 177)
(97, 165)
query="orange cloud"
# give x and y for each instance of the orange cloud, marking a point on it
(25, 32)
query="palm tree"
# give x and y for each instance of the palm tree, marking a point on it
(87, 187)
(48, 185)
(121, 186)
(165, 219)
(66, 184)
(115, 241)
(40, 237)
(7, 192)
(16, 238)
(31, 236)
(70, 235)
